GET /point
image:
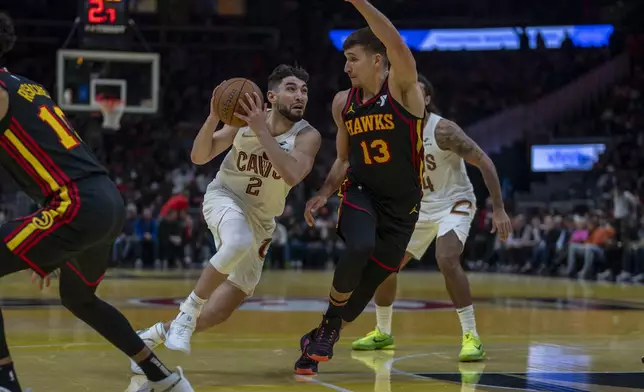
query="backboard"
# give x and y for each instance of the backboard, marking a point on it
(83, 76)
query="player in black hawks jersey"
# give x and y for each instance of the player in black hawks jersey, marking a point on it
(379, 147)
(82, 214)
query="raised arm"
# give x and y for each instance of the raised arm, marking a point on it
(450, 136)
(403, 76)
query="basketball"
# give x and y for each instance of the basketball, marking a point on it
(227, 98)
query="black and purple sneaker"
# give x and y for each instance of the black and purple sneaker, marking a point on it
(324, 337)
(305, 366)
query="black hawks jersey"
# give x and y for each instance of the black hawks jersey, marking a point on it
(385, 145)
(39, 147)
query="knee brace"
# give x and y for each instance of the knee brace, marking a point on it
(233, 250)
(351, 265)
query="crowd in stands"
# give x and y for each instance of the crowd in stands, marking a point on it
(149, 160)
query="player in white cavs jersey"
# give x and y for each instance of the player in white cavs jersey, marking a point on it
(272, 154)
(446, 212)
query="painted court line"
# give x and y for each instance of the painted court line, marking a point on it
(322, 383)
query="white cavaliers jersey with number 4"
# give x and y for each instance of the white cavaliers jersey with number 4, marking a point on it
(247, 173)
(445, 180)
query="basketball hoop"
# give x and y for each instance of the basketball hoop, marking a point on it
(112, 110)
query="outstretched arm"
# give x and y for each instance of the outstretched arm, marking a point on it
(450, 136)
(403, 64)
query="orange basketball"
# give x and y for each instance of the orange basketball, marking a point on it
(227, 98)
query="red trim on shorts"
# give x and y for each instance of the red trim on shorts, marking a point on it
(80, 275)
(3, 83)
(32, 265)
(384, 266)
(68, 217)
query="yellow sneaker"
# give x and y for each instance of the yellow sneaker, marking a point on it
(472, 349)
(375, 340)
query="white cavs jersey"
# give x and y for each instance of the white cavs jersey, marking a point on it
(445, 180)
(247, 173)
(448, 201)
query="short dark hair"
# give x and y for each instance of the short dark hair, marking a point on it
(283, 71)
(7, 34)
(367, 39)
(429, 92)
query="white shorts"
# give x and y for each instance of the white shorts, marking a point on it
(456, 216)
(219, 208)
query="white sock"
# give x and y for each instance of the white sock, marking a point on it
(192, 305)
(384, 316)
(468, 322)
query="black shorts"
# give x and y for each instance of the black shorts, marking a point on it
(392, 222)
(73, 231)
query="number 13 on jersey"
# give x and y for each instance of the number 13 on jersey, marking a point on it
(59, 123)
(375, 151)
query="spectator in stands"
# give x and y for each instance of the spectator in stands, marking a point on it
(279, 254)
(590, 244)
(633, 259)
(126, 245)
(544, 252)
(519, 246)
(171, 239)
(624, 211)
(145, 228)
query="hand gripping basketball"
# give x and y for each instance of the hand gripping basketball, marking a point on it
(255, 114)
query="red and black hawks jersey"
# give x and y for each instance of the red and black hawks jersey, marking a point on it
(385, 145)
(39, 147)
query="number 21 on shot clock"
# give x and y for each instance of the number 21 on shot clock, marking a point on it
(104, 16)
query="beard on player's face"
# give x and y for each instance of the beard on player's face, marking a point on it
(290, 114)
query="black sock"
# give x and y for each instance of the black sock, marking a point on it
(335, 307)
(154, 369)
(8, 378)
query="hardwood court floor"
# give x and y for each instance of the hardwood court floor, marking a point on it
(540, 334)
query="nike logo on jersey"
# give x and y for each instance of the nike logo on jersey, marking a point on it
(382, 100)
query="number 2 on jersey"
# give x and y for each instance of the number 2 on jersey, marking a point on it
(57, 121)
(380, 156)
(253, 186)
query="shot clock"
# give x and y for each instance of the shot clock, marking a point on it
(108, 17)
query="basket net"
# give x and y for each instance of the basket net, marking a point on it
(112, 110)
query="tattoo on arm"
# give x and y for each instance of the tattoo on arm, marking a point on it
(450, 136)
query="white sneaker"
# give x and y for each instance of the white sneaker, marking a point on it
(181, 329)
(153, 337)
(136, 383)
(176, 382)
